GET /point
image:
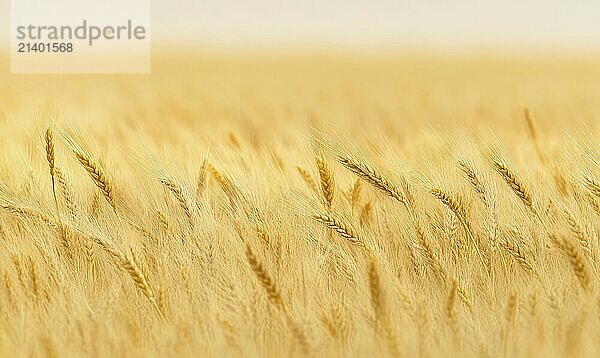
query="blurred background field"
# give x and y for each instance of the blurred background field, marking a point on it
(360, 91)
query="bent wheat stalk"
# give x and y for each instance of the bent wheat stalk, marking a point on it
(130, 266)
(517, 254)
(268, 284)
(98, 176)
(32, 214)
(487, 199)
(371, 176)
(343, 230)
(474, 180)
(178, 194)
(264, 278)
(514, 183)
(458, 209)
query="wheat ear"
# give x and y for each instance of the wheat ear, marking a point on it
(130, 266)
(274, 295)
(305, 175)
(450, 303)
(32, 214)
(458, 209)
(65, 191)
(515, 184)
(486, 198)
(592, 185)
(225, 183)
(140, 280)
(517, 254)
(378, 303)
(581, 237)
(178, 194)
(50, 158)
(343, 230)
(533, 135)
(98, 176)
(594, 203)
(264, 278)
(372, 176)
(577, 264)
(474, 180)
(354, 194)
(365, 213)
(201, 182)
(327, 183)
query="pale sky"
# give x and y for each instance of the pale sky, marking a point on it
(458, 23)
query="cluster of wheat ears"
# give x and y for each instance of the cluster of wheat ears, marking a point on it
(316, 248)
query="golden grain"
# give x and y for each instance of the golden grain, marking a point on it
(244, 253)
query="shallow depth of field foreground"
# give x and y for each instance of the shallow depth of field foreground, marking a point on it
(303, 206)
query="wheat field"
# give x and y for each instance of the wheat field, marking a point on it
(274, 206)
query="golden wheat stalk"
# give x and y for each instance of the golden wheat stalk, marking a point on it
(354, 194)
(454, 205)
(424, 246)
(474, 180)
(336, 323)
(592, 185)
(594, 203)
(139, 278)
(514, 250)
(577, 264)
(131, 268)
(366, 213)
(514, 183)
(49, 138)
(487, 199)
(427, 249)
(379, 305)
(268, 284)
(177, 192)
(371, 176)
(298, 335)
(50, 150)
(559, 179)
(578, 232)
(201, 182)
(264, 278)
(98, 176)
(458, 209)
(229, 332)
(511, 307)
(533, 135)
(450, 303)
(305, 175)
(32, 214)
(343, 230)
(226, 185)
(327, 183)
(463, 296)
(65, 192)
